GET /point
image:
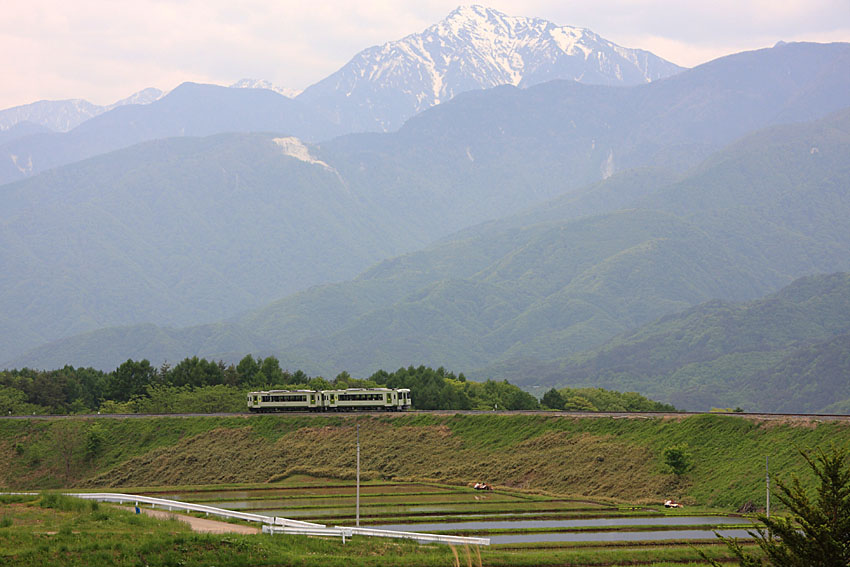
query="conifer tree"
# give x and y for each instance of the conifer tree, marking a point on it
(817, 533)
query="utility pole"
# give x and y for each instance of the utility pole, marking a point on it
(357, 503)
(767, 483)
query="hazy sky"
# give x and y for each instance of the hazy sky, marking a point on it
(104, 50)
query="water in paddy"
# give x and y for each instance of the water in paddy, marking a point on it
(317, 510)
(616, 536)
(385, 499)
(306, 513)
(381, 506)
(190, 496)
(555, 524)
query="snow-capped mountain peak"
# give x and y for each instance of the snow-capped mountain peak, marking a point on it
(64, 115)
(475, 47)
(145, 96)
(263, 84)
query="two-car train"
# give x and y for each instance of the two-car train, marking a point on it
(352, 399)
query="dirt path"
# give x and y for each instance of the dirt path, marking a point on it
(202, 525)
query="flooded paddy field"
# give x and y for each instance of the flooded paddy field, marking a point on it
(507, 516)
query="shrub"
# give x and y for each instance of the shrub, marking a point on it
(678, 459)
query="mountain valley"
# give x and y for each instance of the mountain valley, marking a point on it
(498, 195)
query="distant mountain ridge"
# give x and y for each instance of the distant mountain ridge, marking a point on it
(518, 298)
(335, 208)
(381, 87)
(64, 115)
(473, 48)
(189, 110)
(263, 84)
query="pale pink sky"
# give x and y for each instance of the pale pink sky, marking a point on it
(105, 50)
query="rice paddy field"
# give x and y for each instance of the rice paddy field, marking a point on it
(525, 528)
(568, 490)
(503, 514)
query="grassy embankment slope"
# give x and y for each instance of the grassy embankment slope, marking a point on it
(593, 456)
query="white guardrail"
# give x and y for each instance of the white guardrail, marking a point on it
(345, 532)
(176, 505)
(460, 540)
(277, 525)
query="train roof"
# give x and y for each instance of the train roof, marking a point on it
(329, 391)
(362, 390)
(283, 392)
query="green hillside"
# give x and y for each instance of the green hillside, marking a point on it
(146, 235)
(591, 457)
(189, 231)
(513, 299)
(525, 291)
(788, 352)
(543, 295)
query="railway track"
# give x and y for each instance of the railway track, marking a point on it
(568, 414)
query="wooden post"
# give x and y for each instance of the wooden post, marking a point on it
(767, 484)
(357, 498)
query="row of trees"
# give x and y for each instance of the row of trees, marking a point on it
(441, 389)
(200, 385)
(599, 399)
(82, 390)
(197, 384)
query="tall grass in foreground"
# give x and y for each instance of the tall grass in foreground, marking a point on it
(467, 555)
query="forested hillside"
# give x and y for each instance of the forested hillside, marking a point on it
(505, 299)
(788, 352)
(177, 231)
(190, 231)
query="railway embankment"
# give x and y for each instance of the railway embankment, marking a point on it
(598, 457)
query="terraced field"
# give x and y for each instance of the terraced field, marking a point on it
(525, 529)
(507, 516)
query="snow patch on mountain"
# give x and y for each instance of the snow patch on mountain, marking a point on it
(65, 115)
(25, 168)
(293, 147)
(608, 168)
(263, 84)
(144, 96)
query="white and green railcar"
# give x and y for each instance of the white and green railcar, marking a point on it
(283, 400)
(352, 399)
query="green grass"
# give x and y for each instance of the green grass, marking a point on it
(63, 533)
(57, 530)
(602, 459)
